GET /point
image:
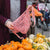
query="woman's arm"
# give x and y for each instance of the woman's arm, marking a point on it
(6, 22)
(2, 19)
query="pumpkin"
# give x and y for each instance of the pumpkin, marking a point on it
(26, 46)
(0, 48)
(13, 46)
(12, 42)
(32, 49)
(5, 46)
(8, 48)
(18, 44)
(2, 45)
(43, 36)
(39, 35)
(21, 49)
(24, 40)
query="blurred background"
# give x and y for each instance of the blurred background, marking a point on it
(45, 27)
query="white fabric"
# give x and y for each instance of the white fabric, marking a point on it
(41, 6)
(47, 9)
(15, 9)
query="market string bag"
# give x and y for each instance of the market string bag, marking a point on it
(22, 23)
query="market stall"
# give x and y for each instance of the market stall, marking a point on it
(33, 42)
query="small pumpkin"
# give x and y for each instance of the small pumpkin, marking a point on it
(5, 46)
(21, 49)
(18, 44)
(32, 49)
(12, 42)
(8, 48)
(39, 35)
(13, 46)
(24, 40)
(0, 48)
(26, 46)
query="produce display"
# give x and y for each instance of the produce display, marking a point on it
(24, 45)
(38, 42)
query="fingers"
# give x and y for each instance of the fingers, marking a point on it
(11, 26)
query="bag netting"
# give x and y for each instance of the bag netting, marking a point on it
(22, 23)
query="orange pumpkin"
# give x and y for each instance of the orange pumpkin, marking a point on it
(0, 48)
(21, 49)
(8, 48)
(5, 46)
(2, 45)
(13, 46)
(18, 44)
(24, 40)
(26, 46)
(12, 42)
